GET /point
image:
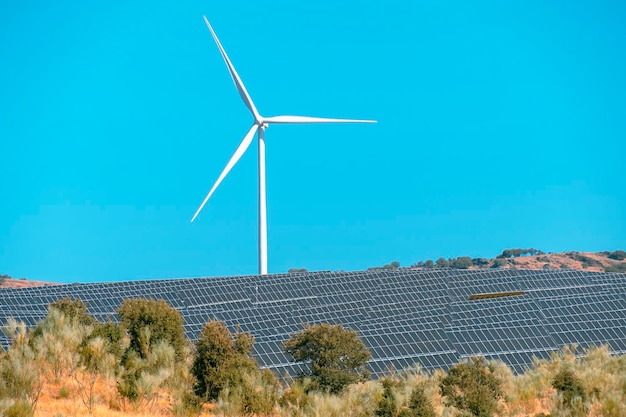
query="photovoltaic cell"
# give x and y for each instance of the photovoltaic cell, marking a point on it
(404, 316)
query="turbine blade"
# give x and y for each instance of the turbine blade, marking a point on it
(241, 149)
(307, 119)
(233, 73)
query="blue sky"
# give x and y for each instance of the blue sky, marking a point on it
(501, 124)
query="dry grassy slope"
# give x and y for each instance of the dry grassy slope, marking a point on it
(24, 283)
(564, 260)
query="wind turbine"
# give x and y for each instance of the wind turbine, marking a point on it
(259, 125)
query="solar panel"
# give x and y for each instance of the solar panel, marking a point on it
(404, 316)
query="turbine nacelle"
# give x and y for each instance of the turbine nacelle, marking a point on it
(259, 125)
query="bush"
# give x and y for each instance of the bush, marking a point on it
(618, 255)
(462, 262)
(419, 404)
(221, 360)
(473, 387)
(514, 253)
(442, 263)
(616, 268)
(337, 356)
(189, 405)
(392, 265)
(56, 340)
(164, 323)
(569, 386)
(20, 374)
(143, 377)
(113, 336)
(500, 263)
(480, 262)
(387, 406)
(73, 309)
(20, 408)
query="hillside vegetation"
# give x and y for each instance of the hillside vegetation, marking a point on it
(531, 258)
(72, 365)
(605, 261)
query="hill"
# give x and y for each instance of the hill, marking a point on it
(531, 259)
(604, 261)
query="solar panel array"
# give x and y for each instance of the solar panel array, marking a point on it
(403, 316)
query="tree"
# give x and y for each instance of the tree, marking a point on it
(462, 262)
(73, 309)
(20, 372)
(163, 322)
(499, 263)
(442, 263)
(337, 356)
(387, 406)
(221, 360)
(618, 255)
(569, 386)
(419, 404)
(392, 265)
(480, 262)
(473, 387)
(113, 335)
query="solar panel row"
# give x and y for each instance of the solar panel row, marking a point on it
(403, 316)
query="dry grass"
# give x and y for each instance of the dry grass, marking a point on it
(53, 403)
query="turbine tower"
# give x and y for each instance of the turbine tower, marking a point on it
(259, 125)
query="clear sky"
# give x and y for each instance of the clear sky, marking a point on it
(501, 124)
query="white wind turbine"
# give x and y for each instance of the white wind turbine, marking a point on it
(259, 125)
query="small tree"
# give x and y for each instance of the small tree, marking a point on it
(163, 322)
(142, 377)
(419, 404)
(113, 335)
(462, 262)
(569, 387)
(56, 340)
(442, 263)
(387, 406)
(473, 387)
(73, 309)
(20, 375)
(337, 356)
(221, 360)
(618, 255)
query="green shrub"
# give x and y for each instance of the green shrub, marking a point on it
(20, 371)
(419, 404)
(387, 406)
(296, 399)
(189, 405)
(473, 387)
(64, 392)
(163, 322)
(616, 268)
(462, 262)
(500, 263)
(73, 309)
(337, 356)
(20, 408)
(618, 255)
(569, 386)
(113, 335)
(221, 360)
